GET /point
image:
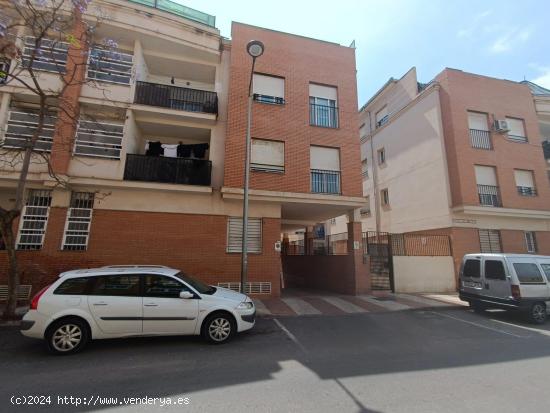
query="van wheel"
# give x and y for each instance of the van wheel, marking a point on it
(477, 306)
(67, 336)
(537, 313)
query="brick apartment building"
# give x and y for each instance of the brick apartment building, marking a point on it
(155, 162)
(438, 159)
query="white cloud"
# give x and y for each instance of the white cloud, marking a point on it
(468, 32)
(510, 39)
(544, 78)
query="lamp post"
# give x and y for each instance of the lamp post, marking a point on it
(255, 49)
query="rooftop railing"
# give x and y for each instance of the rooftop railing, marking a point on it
(179, 10)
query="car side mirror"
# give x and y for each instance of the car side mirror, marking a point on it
(186, 294)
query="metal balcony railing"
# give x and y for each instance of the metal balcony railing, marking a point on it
(517, 138)
(489, 195)
(480, 139)
(179, 10)
(527, 191)
(323, 115)
(325, 182)
(173, 97)
(167, 170)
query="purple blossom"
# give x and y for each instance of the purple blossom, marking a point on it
(81, 5)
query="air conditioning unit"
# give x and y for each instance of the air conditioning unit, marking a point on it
(501, 125)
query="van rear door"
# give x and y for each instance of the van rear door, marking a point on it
(470, 276)
(496, 283)
(531, 281)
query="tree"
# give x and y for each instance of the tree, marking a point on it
(37, 35)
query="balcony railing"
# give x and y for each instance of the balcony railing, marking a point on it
(323, 115)
(527, 191)
(489, 195)
(480, 139)
(179, 10)
(173, 97)
(517, 138)
(167, 170)
(325, 182)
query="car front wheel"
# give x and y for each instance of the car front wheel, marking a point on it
(537, 313)
(67, 336)
(219, 328)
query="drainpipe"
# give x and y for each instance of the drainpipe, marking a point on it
(374, 182)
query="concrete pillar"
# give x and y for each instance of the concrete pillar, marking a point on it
(4, 109)
(308, 241)
(355, 253)
(285, 244)
(67, 118)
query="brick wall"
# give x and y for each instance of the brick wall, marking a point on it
(193, 243)
(300, 61)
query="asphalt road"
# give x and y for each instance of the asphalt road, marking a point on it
(407, 361)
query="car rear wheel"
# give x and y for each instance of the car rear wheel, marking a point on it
(67, 336)
(537, 313)
(219, 328)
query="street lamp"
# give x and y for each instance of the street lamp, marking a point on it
(255, 49)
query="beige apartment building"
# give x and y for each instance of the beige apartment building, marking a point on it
(461, 156)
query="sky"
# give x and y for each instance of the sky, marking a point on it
(504, 39)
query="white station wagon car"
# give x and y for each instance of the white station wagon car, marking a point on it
(124, 301)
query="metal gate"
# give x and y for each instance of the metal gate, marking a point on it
(377, 245)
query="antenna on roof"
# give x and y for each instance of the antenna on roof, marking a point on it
(352, 45)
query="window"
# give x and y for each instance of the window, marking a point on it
(385, 196)
(109, 65)
(516, 131)
(161, 286)
(119, 285)
(489, 240)
(323, 110)
(546, 269)
(79, 219)
(531, 241)
(268, 89)
(365, 169)
(381, 154)
(325, 170)
(73, 286)
(487, 187)
(525, 182)
(480, 136)
(528, 273)
(472, 269)
(235, 235)
(382, 117)
(34, 219)
(22, 124)
(267, 156)
(494, 270)
(49, 55)
(102, 139)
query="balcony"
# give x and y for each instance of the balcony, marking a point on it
(179, 98)
(481, 139)
(489, 195)
(323, 115)
(179, 10)
(325, 182)
(527, 191)
(167, 170)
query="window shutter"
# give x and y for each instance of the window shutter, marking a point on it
(268, 155)
(235, 235)
(516, 127)
(326, 92)
(485, 175)
(478, 121)
(524, 178)
(327, 159)
(268, 85)
(489, 240)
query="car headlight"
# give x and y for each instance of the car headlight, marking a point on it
(245, 305)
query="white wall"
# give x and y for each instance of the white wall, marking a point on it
(424, 274)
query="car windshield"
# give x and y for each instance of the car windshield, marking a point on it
(201, 287)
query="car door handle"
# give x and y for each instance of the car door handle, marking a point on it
(100, 304)
(151, 305)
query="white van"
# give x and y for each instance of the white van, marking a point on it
(508, 281)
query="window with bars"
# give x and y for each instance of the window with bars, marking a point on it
(79, 219)
(530, 241)
(489, 240)
(235, 235)
(49, 55)
(34, 219)
(99, 138)
(108, 65)
(22, 125)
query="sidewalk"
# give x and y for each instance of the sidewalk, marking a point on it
(302, 303)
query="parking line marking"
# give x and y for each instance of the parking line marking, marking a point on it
(544, 332)
(496, 330)
(343, 305)
(388, 305)
(290, 335)
(300, 307)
